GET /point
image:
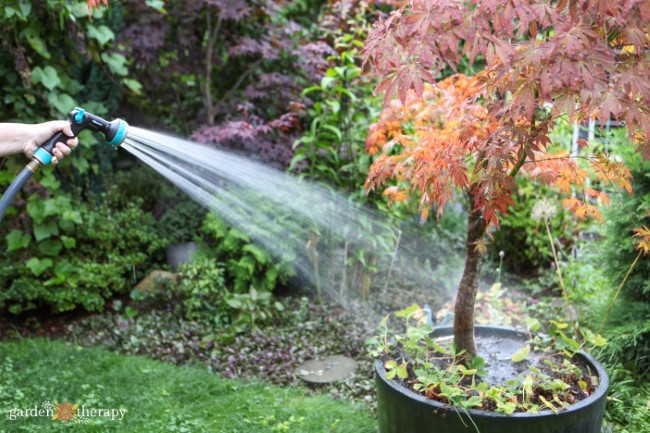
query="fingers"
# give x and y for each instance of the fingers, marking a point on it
(67, 130)
(60, 150)
(72, 143)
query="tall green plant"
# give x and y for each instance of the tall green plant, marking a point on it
(332, 149)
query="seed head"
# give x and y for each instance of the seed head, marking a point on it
(544, 210)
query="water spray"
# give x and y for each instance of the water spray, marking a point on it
(114, 131)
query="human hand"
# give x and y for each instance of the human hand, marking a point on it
(41, 132)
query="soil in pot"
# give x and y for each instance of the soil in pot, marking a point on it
(403, 410)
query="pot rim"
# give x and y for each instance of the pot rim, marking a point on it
(599, 393)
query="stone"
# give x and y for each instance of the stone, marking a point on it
(327, 370)
(155, 280)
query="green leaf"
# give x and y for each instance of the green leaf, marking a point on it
(493, 393)
(569, 341)
(10, 12)
(68, 242)
(408, 311)
(101, 33)
(594, 339)
(50, 207)
(259, 254)
(72, 215)
(506, 407)
(474, 401)
(48, 77)
(334, 104)
(116, 63)
(158, 5)
(481, 387)
(54, 281)
(326, 81)
(81, 164)
(522, 354)
(45, 230)
(559, 325)
(391, 374)
(532, 324)
(38, 266)
(25, 8)
(50, 182)
(133, 85)
(35, 210)
(17, 240)
(61, 101)
(50, 247)
(478, 364)
(335, 130)
(63, 268)
(39, 46)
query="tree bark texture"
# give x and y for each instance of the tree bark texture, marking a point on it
(466, 297)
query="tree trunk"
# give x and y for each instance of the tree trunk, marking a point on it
(466, 297)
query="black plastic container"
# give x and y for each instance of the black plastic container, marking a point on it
(401, 410)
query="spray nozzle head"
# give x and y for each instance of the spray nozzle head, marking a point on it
(114, 131)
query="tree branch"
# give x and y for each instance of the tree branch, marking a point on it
(207, 91)
(239, 82)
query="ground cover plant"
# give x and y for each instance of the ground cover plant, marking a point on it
(555, 379)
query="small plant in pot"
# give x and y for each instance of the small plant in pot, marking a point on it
(572, 62)
(180, 225)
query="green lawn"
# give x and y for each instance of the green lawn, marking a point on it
(157, 397)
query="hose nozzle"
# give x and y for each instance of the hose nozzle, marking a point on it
(114, 131)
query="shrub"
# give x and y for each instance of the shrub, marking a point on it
(628, 327)
(246, 264)
(181, 220)
(203, 289)
(206, 298)
(77, 257)
(627, 406)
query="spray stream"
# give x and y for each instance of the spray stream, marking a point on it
(331, 243)
(326, 241)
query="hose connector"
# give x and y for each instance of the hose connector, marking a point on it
(34, 165)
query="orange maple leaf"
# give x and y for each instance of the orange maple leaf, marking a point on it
(643, 243)
(95, 4)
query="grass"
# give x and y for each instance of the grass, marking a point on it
(157, 397)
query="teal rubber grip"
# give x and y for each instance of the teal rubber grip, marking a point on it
(43, 155)
(119, 136)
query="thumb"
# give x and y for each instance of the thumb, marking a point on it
(44, 131)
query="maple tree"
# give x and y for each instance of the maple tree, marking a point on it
(544, 60)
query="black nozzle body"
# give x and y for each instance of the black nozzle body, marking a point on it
(114, 131)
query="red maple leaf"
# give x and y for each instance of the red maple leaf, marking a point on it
(95, 4)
